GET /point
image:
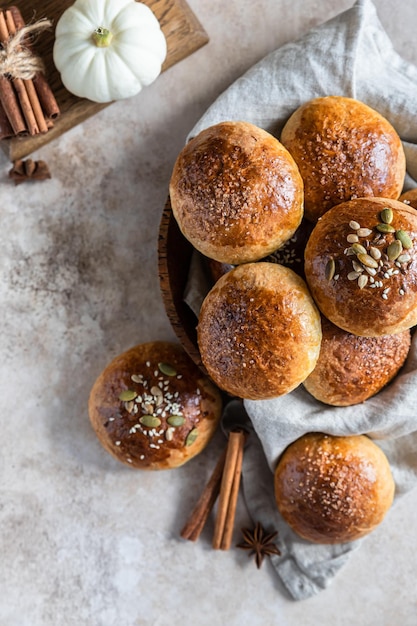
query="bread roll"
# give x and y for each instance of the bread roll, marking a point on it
(236, 192)
(344, 149)
(259, 331)
(409, 197)
(333, 489)
(151, 407)
(363, 278)
(290, 254)
(351, 369)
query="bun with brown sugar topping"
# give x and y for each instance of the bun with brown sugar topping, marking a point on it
(259, 331)
(344, 149)
(236, 193)
(333, 489)
(351, 369)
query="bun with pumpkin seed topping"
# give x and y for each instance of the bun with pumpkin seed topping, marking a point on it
(361, 266)
(152, 408)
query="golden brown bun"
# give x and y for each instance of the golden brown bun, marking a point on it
(351, 369)
(409, 197)
(290, 254)
(387, 303)
(333, 489)
(236, 192)
(152, 408)
(259, 331)
(344, 149)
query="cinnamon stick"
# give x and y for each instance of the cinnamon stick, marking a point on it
(201, 511)
(9, 100)
(35, 110)
(6, 130)
(231, 509)
(19, 85)
(228, 489)
(11, 106)
(46, 97)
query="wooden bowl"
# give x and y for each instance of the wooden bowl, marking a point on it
(174, 257)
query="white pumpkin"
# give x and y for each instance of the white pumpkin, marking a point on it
(107, 50)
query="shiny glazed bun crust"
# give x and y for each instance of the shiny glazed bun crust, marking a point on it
(364, 279)
(259, 331)
(333, 489)
(236, 193)
(152, 408)
(409, 197)
(344, 149)
(351, 369)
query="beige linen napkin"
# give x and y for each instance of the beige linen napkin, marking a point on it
(350, 55)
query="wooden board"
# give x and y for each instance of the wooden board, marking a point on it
(183, 32)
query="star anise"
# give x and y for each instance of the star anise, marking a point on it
(28, 170)
(259, 542)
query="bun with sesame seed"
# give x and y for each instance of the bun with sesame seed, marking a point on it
(344, 149)
(236, 192)
(333, 489)
(259, 331)
(361, 266)
(152, 408)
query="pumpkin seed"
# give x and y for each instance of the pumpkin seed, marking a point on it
(358, 248)
(191, 437)
(386, 215)
(367, 260)
(405, 239)
(150, 420)
(385, 228)
(127, 395)
(176, 420)
(330, 269)
(167, 369)
(394, 250)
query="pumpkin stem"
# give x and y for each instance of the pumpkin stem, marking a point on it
(102, 37)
